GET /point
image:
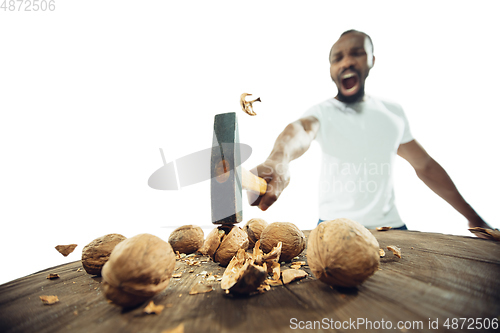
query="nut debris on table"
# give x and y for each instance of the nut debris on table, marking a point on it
(290, 275)
(153, 308)
(396, 250)
(200, 288)
(177, 329)
(48, 300)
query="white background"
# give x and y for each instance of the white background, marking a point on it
(91, 91)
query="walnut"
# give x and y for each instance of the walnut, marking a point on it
(212, 242)
(223, 242)
(254, 228)
(96, 253)
(186, 239)
(138, 268)
(342, 253)
(292, 239)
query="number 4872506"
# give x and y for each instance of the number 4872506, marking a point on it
(471, 323)
(28, 5)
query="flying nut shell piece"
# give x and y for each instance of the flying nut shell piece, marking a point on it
(246, 106)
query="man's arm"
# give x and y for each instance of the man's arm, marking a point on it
(294, 141)
(436, 178)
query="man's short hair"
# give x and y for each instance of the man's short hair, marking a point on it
(351, 31)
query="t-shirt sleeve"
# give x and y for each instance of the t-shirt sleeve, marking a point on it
(398, 110)
(407, 136)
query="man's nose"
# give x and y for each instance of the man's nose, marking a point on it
(347, 62)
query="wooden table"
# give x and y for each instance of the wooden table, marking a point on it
(439, 277)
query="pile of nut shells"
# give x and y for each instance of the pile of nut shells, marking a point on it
(341, 252)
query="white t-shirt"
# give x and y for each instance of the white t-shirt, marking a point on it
(359, 143)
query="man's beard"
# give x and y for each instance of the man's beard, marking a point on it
(353, 98)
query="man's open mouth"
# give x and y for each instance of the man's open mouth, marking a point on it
(349, 82)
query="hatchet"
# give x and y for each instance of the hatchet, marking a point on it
(228, 178)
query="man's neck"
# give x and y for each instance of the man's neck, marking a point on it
(348, 100)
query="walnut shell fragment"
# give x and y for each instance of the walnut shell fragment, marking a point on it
(396, 250)
(65, 250)
(275, 268)
(200, 288)
(383, 228)
(271, 259)
(275, 282)
(138, 268)
(53, 276)
(153, 308)
(178, 329)
(381, 252)
(493, 234)
(247, 272)
(263, 287)
(242, 276)
(223, 243)
(342, 253)
(186, 239)
(292, 239)
(289, 275)
(247, 106)
(96, 253)
(297, 264)
(254, 228)
(49, 300)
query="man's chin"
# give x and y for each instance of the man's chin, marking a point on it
(358, 96)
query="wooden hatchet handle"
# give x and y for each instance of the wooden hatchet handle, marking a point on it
(253, 183)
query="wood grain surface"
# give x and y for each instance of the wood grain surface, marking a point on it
(438, 277)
